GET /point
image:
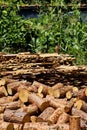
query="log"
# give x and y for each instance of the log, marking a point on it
(74, 123)
(3, 91)
(30, 109)
(33, 119)
(23, 94)
(2, 82)
(69, 94)
(16, 116)
(41, 103)
(58, 86)
(36, 126)
(6, 100)
(75, 91)
(63, 118)
(64, 90)
(13, 87)
(82, 114)
(2, 108)
(69, 105)
(1, 116)
(54, 117)
(82, 94)
(55, 103)
(63, 126)
(46, 113)
(15, 97)
(41, 87)
(54, 92)
(18, 126)
(6, 125)
(13, 105)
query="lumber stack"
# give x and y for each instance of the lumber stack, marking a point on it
(36, 106)
(48, 68)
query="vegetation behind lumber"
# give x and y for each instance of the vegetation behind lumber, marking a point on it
(53, 27)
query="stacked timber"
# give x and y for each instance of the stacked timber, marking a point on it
(37, 106)
(48, 68)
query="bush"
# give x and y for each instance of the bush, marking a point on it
(12, 31)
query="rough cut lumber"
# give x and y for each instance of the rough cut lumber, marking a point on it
(6, 125)
(74, 123)
(41, 103)
(16, 116)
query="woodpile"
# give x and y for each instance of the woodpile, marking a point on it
(36, 106)
(42, 92)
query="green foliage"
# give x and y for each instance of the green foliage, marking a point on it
(60, 28)
(53, 27)
(12, 31)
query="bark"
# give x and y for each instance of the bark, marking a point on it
(41, 87)
(18, 126)
(63, 127)
(63, 118)
(31, 109)
(13, 87)
(3, 91)
(74, 123)
(13, 105)
(36, 126)
(64, 90)
(16, 116)
(55, 103)
(58, 86)
(2, 82)
(82, 114)
(46, 113)
(6, 125)
(82, 94)
(41, 103)
(54, 117)
(5, 100)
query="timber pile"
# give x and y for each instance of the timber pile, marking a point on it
(36, 106)
(48, 68)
